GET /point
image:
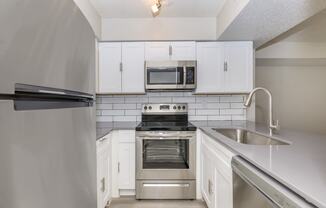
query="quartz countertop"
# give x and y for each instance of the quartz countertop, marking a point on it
(103, 128)
(301, 166)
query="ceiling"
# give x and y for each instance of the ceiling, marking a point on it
(313, 30)
(170, 8)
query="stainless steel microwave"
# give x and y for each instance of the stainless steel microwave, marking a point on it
(170, 75)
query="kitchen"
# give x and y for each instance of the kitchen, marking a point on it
(166, 103)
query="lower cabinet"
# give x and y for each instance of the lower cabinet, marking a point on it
(103, 171)
(216, 174)
(123, 162)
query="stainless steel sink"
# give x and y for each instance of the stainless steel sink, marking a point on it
(247, 137)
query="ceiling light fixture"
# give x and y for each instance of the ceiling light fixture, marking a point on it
(156, 8)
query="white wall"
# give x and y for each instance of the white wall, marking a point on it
(91, 15)
(159, 29)
(294, 70)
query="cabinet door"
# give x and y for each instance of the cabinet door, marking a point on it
(109, 68)
(183, 51)
(102, 178)
(107, 172)
(157, 51)
(126, 166)
(223, 191)
(239, 60)
(207, 180)
(210, 74)
(133, 61)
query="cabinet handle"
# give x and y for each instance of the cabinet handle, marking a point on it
(103, 185)
(170, 50)
(225, 66)
(118, 167)
(121, 66)
(210, 189)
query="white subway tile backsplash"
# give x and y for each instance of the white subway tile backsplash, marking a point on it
(160, 100)
(207, 112)
(216, 105)
(136, 100)
(239, 117)
(237, 105)
(231, 99)
(124, 118)
(113, 112)
(197, 118)
(104, 106)
(104, 118)
(183, 99)
(201, 107)
(124, 106)
(219, 118)
(195, 105)
(210, 99)
(132, 112)
(231, 111)
(113, 100)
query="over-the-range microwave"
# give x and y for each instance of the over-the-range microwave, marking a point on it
(170, 75)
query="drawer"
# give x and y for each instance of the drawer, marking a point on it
(166, 189)
(127, 136)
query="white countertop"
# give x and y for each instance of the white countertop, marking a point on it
(301, 166)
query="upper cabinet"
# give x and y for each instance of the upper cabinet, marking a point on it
(224, 67)
(121, 68)
(164, 51)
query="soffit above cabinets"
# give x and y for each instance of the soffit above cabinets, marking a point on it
(170, 8)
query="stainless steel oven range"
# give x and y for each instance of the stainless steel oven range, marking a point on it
(165, 153)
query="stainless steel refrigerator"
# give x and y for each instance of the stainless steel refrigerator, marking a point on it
(47, 115)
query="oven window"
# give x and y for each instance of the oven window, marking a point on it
(165, 154)
(165, 76)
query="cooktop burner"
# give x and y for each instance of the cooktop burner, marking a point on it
(165, 117)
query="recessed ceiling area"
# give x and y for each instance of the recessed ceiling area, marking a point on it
(170, 8)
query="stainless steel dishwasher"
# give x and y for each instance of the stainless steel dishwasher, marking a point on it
(254, 189)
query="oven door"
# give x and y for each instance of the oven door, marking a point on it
(164, 78)
(166, 155)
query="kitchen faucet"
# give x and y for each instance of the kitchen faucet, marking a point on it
(272, 126)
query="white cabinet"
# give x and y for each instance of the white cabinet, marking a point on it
(109, 74)
(216, 174)
(121, 68)
(224, 67)
(133, 64)
(183, 51)
(164, 51)
(238, 66)
(103, 171)
(126, 162)
(157, 51)
(210, 75)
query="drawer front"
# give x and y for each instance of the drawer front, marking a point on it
(166, 189)
(127, 136)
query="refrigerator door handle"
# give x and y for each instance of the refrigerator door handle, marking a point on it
(30, 97)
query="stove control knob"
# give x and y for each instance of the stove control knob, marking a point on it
(150, 107)
(183, 107)
(145, 108)
(179, 107)
(174, 107)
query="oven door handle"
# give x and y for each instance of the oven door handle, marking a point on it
(185, 185)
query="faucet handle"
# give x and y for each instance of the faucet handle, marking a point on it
(277, 125)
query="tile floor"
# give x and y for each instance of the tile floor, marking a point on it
(132, 203)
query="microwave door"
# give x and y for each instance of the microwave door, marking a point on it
(164, 78)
